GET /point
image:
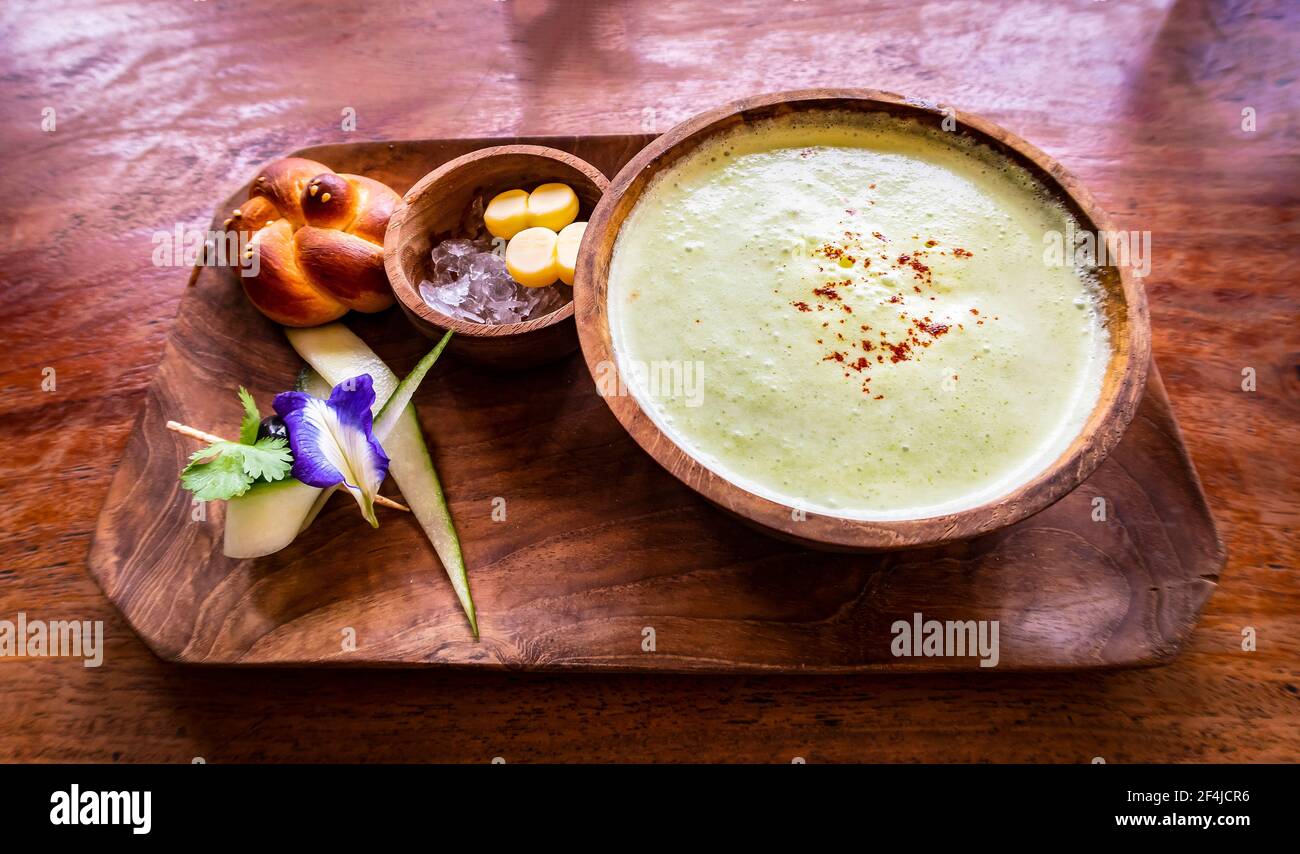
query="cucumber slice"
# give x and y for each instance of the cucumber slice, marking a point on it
(267, 517)
(312, 383)
(397, 404)
(337, 354)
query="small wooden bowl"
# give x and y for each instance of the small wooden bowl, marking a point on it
(1124, 304)
(432, 211)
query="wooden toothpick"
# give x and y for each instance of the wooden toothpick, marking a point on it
(186, 430)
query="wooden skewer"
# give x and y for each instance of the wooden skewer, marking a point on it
(391, 504)
(186, 430)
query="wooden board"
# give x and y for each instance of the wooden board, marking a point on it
(598, 543)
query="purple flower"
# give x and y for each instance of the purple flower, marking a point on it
(333, 440)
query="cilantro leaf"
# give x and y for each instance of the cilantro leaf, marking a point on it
(248, 427)
(219, 479)
(225, 470)
(269, 459)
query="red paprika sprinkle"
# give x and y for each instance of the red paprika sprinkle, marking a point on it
(902, 352)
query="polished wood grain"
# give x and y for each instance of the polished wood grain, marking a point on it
(565, 585)
(435, 209)
(1123, 304)
(165, 107)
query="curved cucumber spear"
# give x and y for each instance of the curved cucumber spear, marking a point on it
(389, 413)
(337, 354)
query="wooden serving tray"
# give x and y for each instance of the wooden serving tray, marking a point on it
(598, 543)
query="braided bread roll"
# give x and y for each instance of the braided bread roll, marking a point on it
(320, 239)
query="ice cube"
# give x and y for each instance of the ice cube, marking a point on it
(470, 282)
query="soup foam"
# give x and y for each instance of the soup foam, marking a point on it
(867, 303)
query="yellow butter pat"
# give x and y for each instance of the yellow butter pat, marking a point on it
(530, 257)
(507, 214)
(552, 206)
(566, 250)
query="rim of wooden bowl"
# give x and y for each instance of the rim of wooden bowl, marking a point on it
(406, 291)
(1124, 303)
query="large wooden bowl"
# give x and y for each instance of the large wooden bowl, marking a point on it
(1124, 302)
(433, 209)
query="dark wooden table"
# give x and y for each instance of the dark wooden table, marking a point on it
(161, 108)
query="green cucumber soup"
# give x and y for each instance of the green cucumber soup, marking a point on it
(865, 312)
